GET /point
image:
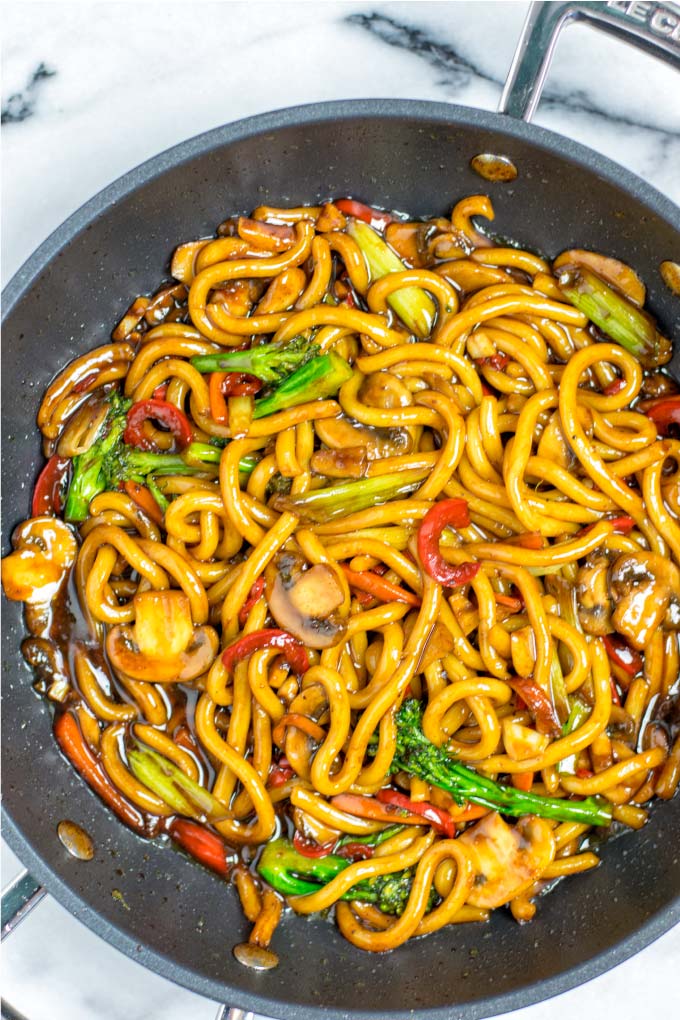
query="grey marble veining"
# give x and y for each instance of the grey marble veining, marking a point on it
(90, 90)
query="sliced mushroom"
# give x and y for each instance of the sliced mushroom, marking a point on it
(348, 462)
(306, 602)
(643, 586)
(312, 828)
(506, 859)
(45, 550)
(338, 433)
(163, 645)
(384, 390)
(520, 741)
(594, 600)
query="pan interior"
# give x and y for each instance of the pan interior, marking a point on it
(181, 919)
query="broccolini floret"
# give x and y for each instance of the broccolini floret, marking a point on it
(271, 363)
(419, 757)
(109, 461)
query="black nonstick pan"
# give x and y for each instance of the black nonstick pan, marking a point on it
(161, 909)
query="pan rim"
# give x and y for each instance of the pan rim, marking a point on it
(305, 115)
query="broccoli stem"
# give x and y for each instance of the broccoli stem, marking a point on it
(317, 379)
(615, 315)
(419, 757)
(412, 304)
(322, 505)
(88, 478)
(271, 363)
(292, 874)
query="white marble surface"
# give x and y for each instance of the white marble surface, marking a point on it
(130, 80)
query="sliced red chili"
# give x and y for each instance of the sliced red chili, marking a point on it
(620, 652)
(497, 361)
(280, 774)
(377, 218)
(48, 494)
(664, 412)
(355, 851)
(202, 844)
(161, 411)
(539, 704)
(292, 650)
(240, 384)
(614, 387)
(440, 820)
(254, 596)
(309, 848)
(446, 513)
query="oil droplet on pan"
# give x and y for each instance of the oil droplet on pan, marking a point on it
(670, 272)
(494, 168)
(255, 957)
(78, 843)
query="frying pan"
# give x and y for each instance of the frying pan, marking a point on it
(182, 920)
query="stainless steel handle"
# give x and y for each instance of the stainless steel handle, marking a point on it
(18, 899)
(653, 27)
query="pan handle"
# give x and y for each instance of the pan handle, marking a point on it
(652, 27)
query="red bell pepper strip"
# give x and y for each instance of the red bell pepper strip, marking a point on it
(254, 596)
(614, 387)
(369, 807)
(202, 844)
(584, 773)
(292, 650)
(49, 489)
(280, 774)
(377, 218)
(664, 412)
(308, 848)
(620, 652)
(441, 821)
(622, 524)
(448, 512)
(161, 392)
(140, 495)
(539, 704)
(73, 744)
(157, 410)
(355, 851)
(373, 584)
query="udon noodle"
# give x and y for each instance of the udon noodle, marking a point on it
(395, 595)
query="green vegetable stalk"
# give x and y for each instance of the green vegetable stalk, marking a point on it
(412, 304)
(177, 790)
(323, 505)
(419, 757)
(272, 363)
(615, 315)
(293, 874)
(110, 461)
(317, 379)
